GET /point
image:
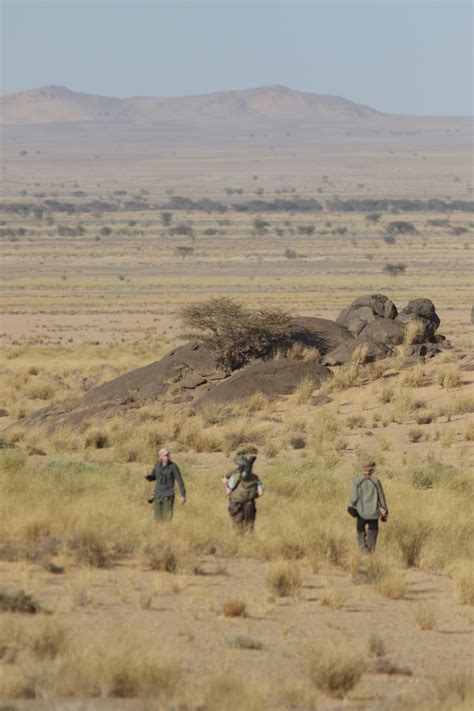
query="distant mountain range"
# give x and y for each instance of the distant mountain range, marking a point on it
(264, 105)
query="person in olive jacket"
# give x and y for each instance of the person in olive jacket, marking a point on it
(368, 499)
(166, 474)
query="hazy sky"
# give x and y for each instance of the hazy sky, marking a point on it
(395, 55)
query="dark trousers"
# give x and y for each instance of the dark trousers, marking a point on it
(243, 514)
(163, 508)
(367, 532)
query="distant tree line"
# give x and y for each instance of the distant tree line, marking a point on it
(372, 206)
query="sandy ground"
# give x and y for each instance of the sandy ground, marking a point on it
(190, 622)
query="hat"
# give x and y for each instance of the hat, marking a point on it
(240, 460)
(368, 464)
(163, 451)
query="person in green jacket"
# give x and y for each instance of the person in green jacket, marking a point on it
(166, 474)
(368, 499)
(243, 487)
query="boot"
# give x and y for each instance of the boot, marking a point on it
(362, 541)
(371, 539)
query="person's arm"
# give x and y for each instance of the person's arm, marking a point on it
(179, 479)
(260, 489)
(152, 475)
(354, 496)
(382, 500)
(230, 484)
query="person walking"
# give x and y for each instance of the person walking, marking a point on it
(368, 504)
(166, 474)
(243, 487)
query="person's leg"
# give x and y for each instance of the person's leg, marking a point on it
(167, 509)
(249, 515)
(361, 535)
(158, 508)
(236, 512)
(372, 534)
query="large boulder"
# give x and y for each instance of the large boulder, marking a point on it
(320, 333)
(364, 310)
(272, 378)
(385, 331)
(423, 311)
(346, 352)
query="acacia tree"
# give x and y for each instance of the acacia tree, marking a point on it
(234, 333)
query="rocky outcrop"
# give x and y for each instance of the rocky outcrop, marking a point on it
(364, 310)
(370, 329)
(272, 378)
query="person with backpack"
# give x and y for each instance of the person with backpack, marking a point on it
(166, 474)
(243, 487)
(368, 505)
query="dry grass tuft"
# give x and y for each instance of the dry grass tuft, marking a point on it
(304, 391)
(158, 557)
(284, 579)
(88, 547)
(234, 608)
(464, 584)
(449, 377)
(414, 332)
(425, 616)
(335, 669)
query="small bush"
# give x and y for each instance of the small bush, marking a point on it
(284, 579)
(415, 434)
(298, 442)
(395, 269)
(464, 584)
(18, 601)
(449, 377)
(336, 669)
(332, 597)
(425, 616)
(234, 608)
(97, 439)
(159, 557)
(88, 548)
(355, 422)
(240, 641)
(410, 537)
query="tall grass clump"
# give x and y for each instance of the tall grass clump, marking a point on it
(284, 579)
(449, 377)
(411, 537)
(335, 669)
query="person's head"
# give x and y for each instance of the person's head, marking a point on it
(164, 455)
(368, 467)
(241, 461)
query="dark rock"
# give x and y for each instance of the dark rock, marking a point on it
(318, 400)
(345, 352)
(417, 349)
(320, 333)
(385, 331)
(364, 310)
(422, 310)
(272, 378)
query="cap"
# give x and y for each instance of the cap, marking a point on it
(368, 464)
(163, 451)
(240, 460)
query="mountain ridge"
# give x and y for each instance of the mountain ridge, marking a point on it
(274, 104)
